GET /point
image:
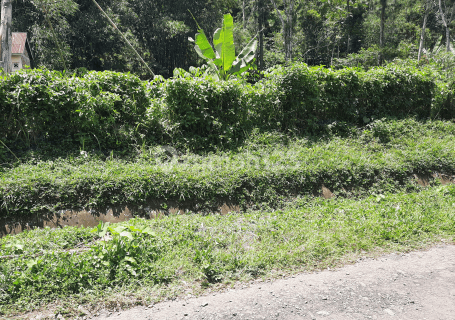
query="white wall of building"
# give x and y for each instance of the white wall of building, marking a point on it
(16, 62)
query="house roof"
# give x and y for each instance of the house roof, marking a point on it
(18, 40)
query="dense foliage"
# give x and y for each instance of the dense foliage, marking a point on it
(105, 108)
(50, 115)
(111, 111)
(315, 32)
(268, 168)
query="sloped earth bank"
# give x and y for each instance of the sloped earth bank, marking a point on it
(416, 285)
(91, 218)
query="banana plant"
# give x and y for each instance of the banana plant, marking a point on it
(222, 62)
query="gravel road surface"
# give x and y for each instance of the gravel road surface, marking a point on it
(417, 285)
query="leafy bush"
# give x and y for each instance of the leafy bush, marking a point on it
(297, 94)
(302, 98)
(396, 91)
(339, 93)
(36, 103)
(108, 110)
(444, 106)
(102, 109)
(205, 113)
(368, 58)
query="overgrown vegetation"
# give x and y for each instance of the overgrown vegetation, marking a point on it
(70, 133)
(316, 32)
(107, 111)
(192, 252)
(101, 139)
(103, 109)
(267, 169)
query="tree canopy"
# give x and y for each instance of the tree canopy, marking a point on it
(311, 31)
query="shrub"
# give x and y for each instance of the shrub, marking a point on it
(108, 110)
(444, 104)
(396, 91)
(297, 94)
(205, 112)
(338, 93)
(102, 109)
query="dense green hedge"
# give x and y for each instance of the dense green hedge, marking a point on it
(444, 104)
(397, 91)
(108, 110)
(304, 97)
(100, 108)
(206, 112)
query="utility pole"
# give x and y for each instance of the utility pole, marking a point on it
(6, 36)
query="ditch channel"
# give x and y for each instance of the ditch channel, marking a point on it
(153, 210)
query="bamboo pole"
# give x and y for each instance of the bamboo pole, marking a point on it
(54, 36)
(124, 38)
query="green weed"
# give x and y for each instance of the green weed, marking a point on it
(381, 157)
(206, 250)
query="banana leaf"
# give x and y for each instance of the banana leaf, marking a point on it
(245, 57)
(202, 46)
(223, 40)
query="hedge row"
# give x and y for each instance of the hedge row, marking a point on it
(110, 110)
(300, 98)
(98, 108)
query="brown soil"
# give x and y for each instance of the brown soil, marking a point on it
(417, 285)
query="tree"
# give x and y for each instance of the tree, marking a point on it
(96, 45)
(222, 61)
(157, 29)
(446, 11)
(46, 23)
(428, 5)
(260, 53)
(381, 32)
(348, 11)
(5, 35)
(162, 27)
(287, 25)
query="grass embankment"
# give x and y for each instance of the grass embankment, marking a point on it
(143, 260)
(140, 260)
(268, 168)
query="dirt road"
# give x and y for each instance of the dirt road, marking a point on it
(418, 285)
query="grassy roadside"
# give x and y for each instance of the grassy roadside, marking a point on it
(144, 260)
(381, 157)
